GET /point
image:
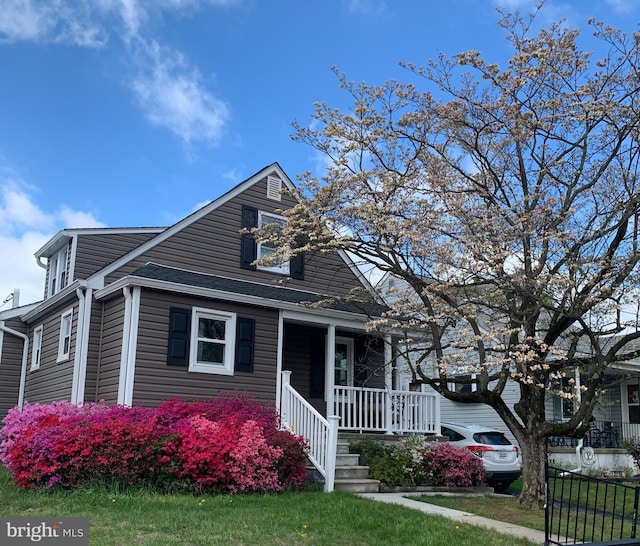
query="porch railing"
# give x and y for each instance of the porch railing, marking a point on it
(378, 410)
(297, 415)
(601, 434)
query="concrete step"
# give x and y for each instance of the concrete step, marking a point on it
(347, 459)
(357, 486)
(352, 472)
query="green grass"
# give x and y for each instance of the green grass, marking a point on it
(314, 518)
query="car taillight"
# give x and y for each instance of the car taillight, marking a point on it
(479, 450)
(515, 448)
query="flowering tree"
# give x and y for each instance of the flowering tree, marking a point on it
(507, 199)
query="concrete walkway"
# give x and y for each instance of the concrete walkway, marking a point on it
(537, 537)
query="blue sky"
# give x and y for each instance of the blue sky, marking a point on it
(126, 113)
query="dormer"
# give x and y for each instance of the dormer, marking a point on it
(57, 253)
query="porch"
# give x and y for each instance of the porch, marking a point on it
(355, 409)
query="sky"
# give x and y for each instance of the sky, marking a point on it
(127, 113)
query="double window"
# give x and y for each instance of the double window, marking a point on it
(64, 342)
(58, 271)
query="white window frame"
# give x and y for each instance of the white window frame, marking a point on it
(58, 271)
(66, 328)
(36, 352)
(226, 366)
(283, 266)
(461, 388)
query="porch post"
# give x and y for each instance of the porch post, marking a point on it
(283, 406)
(329, 368)
(388, 383)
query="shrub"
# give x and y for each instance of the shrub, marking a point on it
(231, 443)
(452, 467)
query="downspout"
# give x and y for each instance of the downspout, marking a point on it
(25, 355)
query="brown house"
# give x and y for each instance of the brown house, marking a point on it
(140, 315)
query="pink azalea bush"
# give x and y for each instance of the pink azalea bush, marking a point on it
(451, 466)
(231, 443)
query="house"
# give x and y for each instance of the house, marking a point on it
(140, 315)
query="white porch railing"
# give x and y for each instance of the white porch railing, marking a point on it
(304, 420)
(379, 410)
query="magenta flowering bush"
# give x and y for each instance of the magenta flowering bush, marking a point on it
(451, 466)
(231, 443)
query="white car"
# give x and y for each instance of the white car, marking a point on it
(498, 454)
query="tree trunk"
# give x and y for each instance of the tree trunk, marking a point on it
(534, 459)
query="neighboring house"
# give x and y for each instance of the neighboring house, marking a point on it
(616, 416)
(138, 316)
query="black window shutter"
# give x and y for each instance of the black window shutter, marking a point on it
(248, 246)
(179, 329)
(317, 347)
(245, 341)
(296, 267)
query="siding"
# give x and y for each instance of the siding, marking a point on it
(52, 381)
(155, 381)
(95, 251)
(93, 352)
(109, 352)
(11, 348)
(212, 245)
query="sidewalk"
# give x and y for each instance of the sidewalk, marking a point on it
(537, 537)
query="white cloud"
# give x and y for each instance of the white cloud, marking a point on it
(59, 21)
(24, 228)
(172, 95)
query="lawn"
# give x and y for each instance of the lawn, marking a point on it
(120, 518)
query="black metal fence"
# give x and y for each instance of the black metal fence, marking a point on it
(586, 510)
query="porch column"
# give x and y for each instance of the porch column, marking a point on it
(388, 382)
(329, 368)
(279, 370)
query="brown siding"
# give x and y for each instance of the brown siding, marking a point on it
(108, 365)
(95, 251)
(10, 366)
(52, 381)
(93, 352)
(212, 245)
(155, 381)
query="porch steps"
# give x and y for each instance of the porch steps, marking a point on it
(350, 475)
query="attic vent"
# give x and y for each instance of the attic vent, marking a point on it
(274, 187)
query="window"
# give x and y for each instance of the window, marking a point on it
(212, 341)
(463, 387)
(58, 271)
(273, 224)
(64, 344)
(37, 348)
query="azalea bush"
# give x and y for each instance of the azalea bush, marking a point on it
(230, 443)
(412, 462)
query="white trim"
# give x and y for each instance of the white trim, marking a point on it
(82, 342)
(282, 267)
(226, 366)
(37, 346)
(179, 226)
(129, 345)
(62, 354)
(329, 363)
(1, 340)
(39, 307)
(25, 357)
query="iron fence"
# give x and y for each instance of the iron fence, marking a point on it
(582, 509)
